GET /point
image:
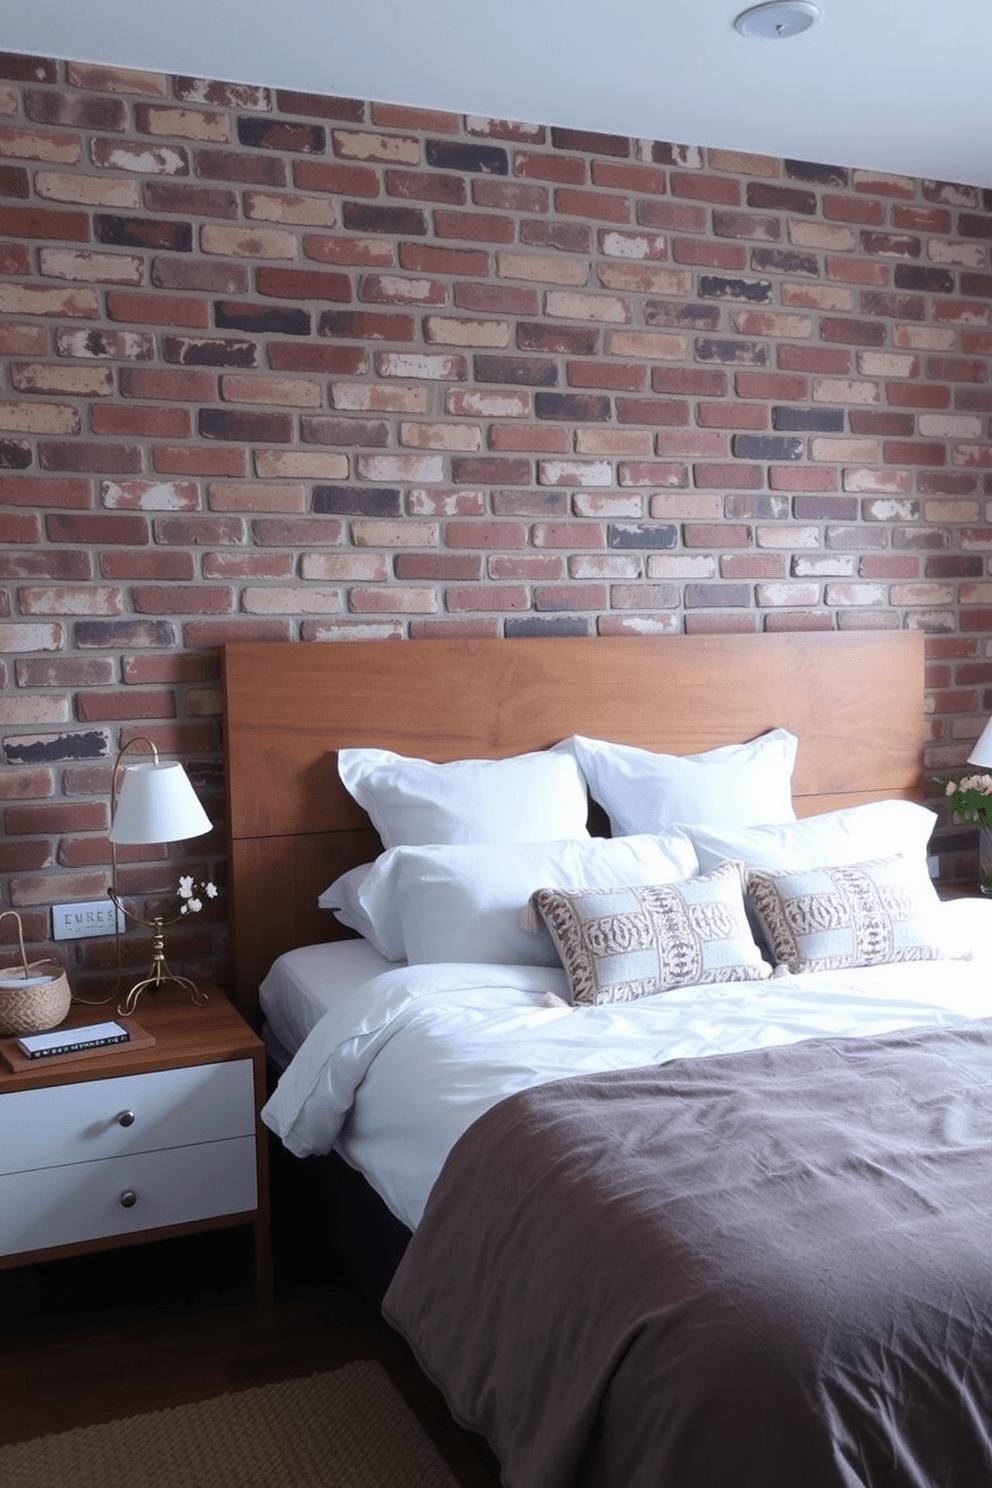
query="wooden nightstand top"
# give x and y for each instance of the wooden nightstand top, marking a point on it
(965, 888)
(183, 1034)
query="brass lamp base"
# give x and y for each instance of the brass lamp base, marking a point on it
(159, 973)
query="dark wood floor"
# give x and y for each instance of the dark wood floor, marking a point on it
(95, 1337)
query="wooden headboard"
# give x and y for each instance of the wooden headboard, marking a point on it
(855, 701)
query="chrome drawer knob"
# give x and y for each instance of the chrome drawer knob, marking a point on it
(128, 1198)
(126, 1118)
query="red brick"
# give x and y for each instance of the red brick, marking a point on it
(796, 620)
(479, 227)
(125, 566)
(486, 535)
(600, 206)
(137, 422)
(165, 386)
(302, 284)
(96, 707)
(671, 216)
(67, 816)
(905, 453)
(180, 460)
(853, 209)
(815, 359)
(40, 222)
(528, 568)
(147, 309)
(42, 491)
(449, 630)
(724, 191)
(423, 259)
(509, 196)
(729, 477)
(537, 438)
(294, 356)
(103, 459)
(465, 567)
(704, 535)
(448, 190)
(25, 857)
(204, 599)
(497, 299)
(857, 271)
(732, 624)
(917, 395)
(957, 369)
(541, 167)
(493, 598)
(730, 256)
(727, 415)
(97, 527)
(669, 411)
(472, 470)
(19, 527)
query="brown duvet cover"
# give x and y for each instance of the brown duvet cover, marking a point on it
(760, 1270)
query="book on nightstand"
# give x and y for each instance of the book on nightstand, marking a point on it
(72, 1040)
(66, 1044)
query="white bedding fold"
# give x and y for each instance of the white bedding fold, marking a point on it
(401, 1064)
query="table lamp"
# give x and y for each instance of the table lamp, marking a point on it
(982, 752)
(155, 803)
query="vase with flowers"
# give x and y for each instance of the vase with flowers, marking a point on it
(970, 799)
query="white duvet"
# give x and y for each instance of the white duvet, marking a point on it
(402, 1063)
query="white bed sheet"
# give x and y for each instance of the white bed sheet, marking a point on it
(398, 1066)
(301, 986)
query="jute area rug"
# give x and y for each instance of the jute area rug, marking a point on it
(347, 1429)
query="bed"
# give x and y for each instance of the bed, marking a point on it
(704, 1203)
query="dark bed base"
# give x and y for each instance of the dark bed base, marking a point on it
(368, 1238)
(333, 1203)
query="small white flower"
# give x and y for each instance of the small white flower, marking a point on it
(191, 891)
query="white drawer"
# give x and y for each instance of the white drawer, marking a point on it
(92, 1119)
(62, 1205)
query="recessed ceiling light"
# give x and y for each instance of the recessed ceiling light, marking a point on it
(777, 20)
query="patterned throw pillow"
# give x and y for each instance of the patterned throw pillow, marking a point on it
(865, 914)
(620, 944)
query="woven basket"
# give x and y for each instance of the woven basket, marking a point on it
(44, 999)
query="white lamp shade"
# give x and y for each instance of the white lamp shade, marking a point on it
(982, 752)
(156, 803)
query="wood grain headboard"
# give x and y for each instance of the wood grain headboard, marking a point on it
(855, 701)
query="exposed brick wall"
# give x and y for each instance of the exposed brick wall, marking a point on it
(278, 366)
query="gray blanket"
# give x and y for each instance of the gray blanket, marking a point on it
(760, 1270)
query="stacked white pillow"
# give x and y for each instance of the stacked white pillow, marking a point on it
(736, 785)
(833, 839)
(538, 797)
(465, 901)
(468, 842)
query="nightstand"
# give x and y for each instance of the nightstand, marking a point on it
(960, 889)
(137, 1141)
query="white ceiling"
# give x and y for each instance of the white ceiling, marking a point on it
(900, 86)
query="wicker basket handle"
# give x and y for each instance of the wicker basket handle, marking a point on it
(20, 936)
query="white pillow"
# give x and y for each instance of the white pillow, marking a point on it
(736, 785)
(464, 902)
(342, 898)
(538, 797)
(833, 839)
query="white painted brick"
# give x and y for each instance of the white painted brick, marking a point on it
(787, 536)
